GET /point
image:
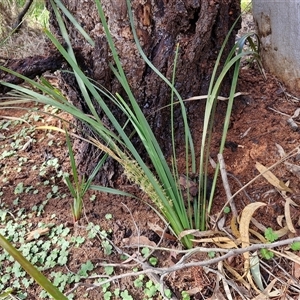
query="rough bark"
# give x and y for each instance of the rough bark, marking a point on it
(198, 26)
(30, 67)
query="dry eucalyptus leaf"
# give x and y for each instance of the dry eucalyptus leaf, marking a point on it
(260, 226)
(246, 216)
(138, 240)
(296, 270)
(221, 223)
(296, 113)
(194, 291)
(280, 151)
(294, 169)
(268, 293)
(281, 232)
(160, 232)
(287, 254)
(212, 162)
(221, 241)
(185, 183)
(279, 220)
(224, 280)
(237, 276)
(287, 213)
(287, 210)
(198, 233)
(271, 178)
(32, 235)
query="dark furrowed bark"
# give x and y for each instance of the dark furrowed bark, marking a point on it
(199, 27)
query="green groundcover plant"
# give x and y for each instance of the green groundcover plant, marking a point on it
(161, 185)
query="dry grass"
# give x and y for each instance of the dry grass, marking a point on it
(29, 40)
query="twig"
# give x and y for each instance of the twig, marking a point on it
(241, 185)
(279, 112)
(289, 155)
(226, 185)
(147, 269)
(153, 277)
(232, 284)
(134, 223)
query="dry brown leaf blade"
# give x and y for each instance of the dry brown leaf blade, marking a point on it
(280, 150)
(271, 178)
(258, 235)
(291, 256)
(294, 169)
(287, 254)
(138, 240)
(287, 212)
(234, 228)
(281, 232)
(246, 216)
(160, 232)
(296, 270)
(221, 241)
(224, 280)
(37, 233)
(237, 276)
(268, 292)
(198, 233)
(279, 220)
(296, 113)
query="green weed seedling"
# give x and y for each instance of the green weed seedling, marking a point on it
(109, 270)
(271, 237)
(125, 295)
(151, 289)
(211, 254)
(146, 253)
(185, 295)
(295, 246)
(45, 253)
(107, 294)
(95, 231)
(86, 268)
(266, 254)
(139, 282)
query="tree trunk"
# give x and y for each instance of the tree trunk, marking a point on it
(199, 27)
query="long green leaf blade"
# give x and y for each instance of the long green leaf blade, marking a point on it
(31, 270)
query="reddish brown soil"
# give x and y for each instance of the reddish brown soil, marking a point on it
(259, 122)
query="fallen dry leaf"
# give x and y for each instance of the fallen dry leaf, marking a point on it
(287, 254)
(246, 216)
(160, 232)
(294, 169)
(138, 240)
(32, 235)
(268, 293)
(280, 151)
(198, 233)
(237, 276)
(279, 220)
(271, 178)
(296, 270)
(287, 210)
(221, 241)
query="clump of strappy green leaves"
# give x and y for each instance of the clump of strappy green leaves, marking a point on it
(162, 185)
